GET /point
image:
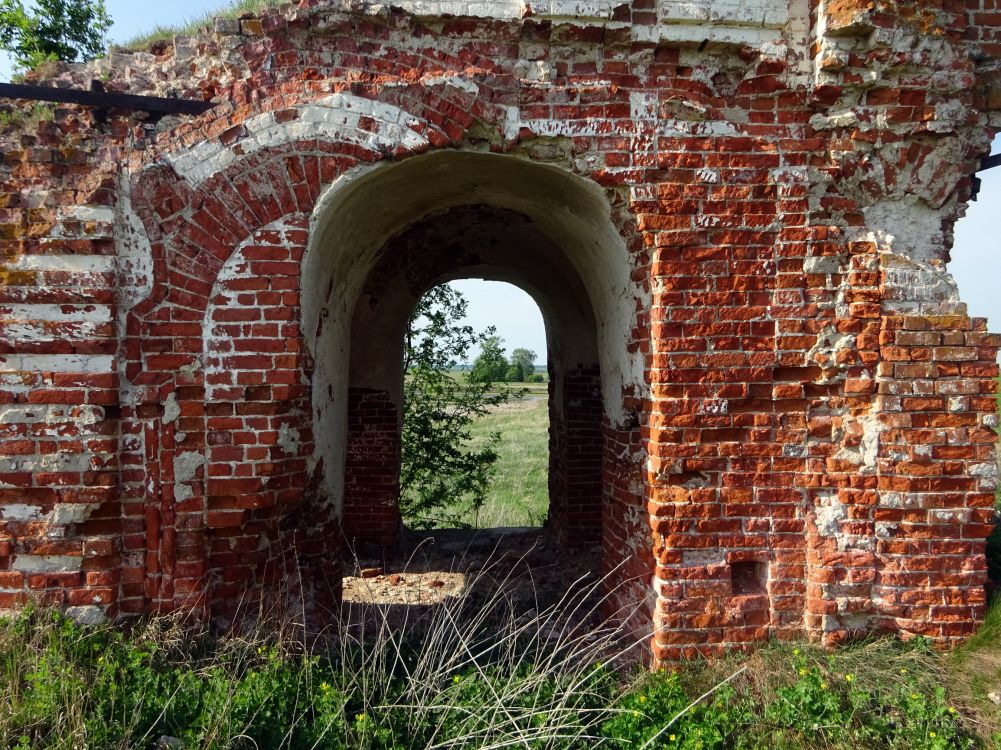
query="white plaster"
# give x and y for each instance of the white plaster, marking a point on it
(822, 264)
(598, 10)
(46, 563)
(186, 465)
(457, 82)
(949, 515)
(289, 440)
(643, 105)
(535, 71)
(59, 462)
(56, 313)
(507, 9)
(905, 226)
(886, 529)
(336, 117)
(698, 33)
(872, 428)
(754, 13)
(20, 512)
(828, 515)
(989, 470)
(104, 214)
(683, 128)
(67, 513)
(89, 614)
(87, 363)
(80, 415)
(135, 256)
(701, 557)
(171, 409)
(576, 9)
(66, 263)
(35, 332)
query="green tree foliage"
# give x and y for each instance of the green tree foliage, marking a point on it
(68, 30)
(524, 360)
(491, 365)
(514, 373)
(443, 476)
(523, 365)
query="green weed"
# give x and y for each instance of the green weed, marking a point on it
(197, 23)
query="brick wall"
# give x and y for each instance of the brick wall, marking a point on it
(797, 414)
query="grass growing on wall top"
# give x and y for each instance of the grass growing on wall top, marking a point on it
(197, 23)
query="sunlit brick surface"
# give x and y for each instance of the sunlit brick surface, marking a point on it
(768, 403)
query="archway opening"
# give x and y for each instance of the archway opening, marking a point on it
(384, 235)
(473, 240)
(475, 425)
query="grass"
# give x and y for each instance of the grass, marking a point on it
(973, 673)
(25, 118)
(519, 493)
(473, 673)
(197, 23)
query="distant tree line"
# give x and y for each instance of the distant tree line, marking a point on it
(494, 367)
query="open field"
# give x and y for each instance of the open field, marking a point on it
(519, 494)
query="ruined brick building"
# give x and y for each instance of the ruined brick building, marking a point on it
(768, 404)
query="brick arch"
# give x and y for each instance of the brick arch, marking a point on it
(203, 207)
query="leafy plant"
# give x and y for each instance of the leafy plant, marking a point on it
(490, 366)
(472, 672)
(443, 478)
(68, 30)
(523, 365)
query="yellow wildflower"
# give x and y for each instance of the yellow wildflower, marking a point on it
(932, 735)
(802, 671)
(642, 699)
(324, 686)
(456, 680)
(849, 678)
(672, 738)
(360, 718)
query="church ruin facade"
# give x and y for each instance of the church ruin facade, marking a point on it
(768, 404)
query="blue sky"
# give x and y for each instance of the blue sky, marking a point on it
(976, 256)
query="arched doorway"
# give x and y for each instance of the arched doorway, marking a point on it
(383, 238)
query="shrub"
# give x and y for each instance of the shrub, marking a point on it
(474, 673)
(811, 702)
